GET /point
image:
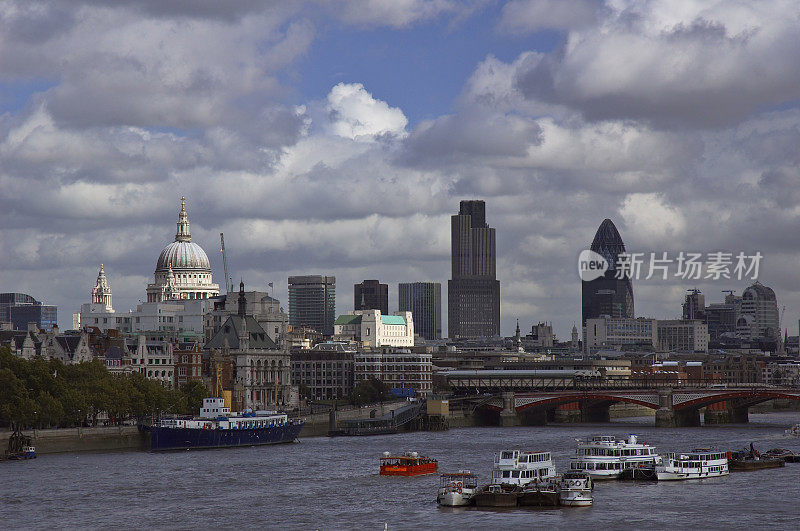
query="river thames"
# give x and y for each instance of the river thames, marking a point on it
(333, 483)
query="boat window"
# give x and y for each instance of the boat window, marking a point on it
(506, 473)
(506, 455)
(515, 474)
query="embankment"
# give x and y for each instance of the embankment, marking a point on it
(319, 423)
(81, 439)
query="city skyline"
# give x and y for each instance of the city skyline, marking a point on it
(336, 140)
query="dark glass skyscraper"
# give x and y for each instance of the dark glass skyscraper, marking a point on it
(473, 294)
(371, 295)
(312, 302)
(607, 295)
(424, 301)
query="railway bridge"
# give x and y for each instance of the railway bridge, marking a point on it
(673, 406)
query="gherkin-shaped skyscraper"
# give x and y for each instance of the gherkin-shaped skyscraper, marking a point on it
(607, 295)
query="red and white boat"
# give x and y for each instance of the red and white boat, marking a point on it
(407, 464)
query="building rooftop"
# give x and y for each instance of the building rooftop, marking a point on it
(348, 319)
(393, 320)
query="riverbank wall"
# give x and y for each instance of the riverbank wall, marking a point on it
(81, 439)
(318, 424)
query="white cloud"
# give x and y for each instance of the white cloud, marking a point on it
(649, 218)
(355, 114)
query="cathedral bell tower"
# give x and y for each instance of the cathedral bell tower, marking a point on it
(101, 292)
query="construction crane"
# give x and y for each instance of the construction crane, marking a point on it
(225, 262)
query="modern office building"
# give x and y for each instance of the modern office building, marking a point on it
(397, 368)
(312, 302)
(694, 307)
(326, 370)
(620, 333)
(682, 335)
(21, 309)
(371, 295)
(473, 293)
(608, 295)
(424, 301)
(758, 318)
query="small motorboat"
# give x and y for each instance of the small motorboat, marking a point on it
(458, 489)
(576, 489)
(407, 464)
(793, 431)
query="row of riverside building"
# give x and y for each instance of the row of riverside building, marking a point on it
(188, 329)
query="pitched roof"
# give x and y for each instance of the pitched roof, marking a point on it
(231, 329)
(113, 353)
(68, 343)
(347, 319)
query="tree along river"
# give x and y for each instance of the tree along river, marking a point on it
(333, 483)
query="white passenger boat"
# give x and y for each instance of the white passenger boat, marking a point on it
(456, 490)
(576, 489)
(512, 473)
(517, 467)
(694, 465)
(604, 457)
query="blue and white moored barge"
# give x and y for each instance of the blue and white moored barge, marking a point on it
(217, 427)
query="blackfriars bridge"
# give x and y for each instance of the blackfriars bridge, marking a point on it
(673, 406)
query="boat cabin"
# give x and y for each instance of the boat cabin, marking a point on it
(464, 479)
(519, 467)
(213, 408)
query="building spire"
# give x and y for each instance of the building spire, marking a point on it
(101, 293)
(242, 300)
(183, 235)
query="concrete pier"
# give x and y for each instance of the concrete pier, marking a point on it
(509, 417)
(725, 413)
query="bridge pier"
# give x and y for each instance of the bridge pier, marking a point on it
(598, 413)
(725, 413)
(508, 417)
(665, 415)
(570, 412)
(717, 413)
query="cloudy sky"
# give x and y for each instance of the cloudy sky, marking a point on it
(337, 137)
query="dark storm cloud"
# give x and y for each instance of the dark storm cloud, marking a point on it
(449, 139)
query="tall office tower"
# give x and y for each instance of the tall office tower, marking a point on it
(607, 295)
(694, 307)
(758, 318)
(473, 293)
(21, 309)
(371, 295)
(312, 302)
(424, 301)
